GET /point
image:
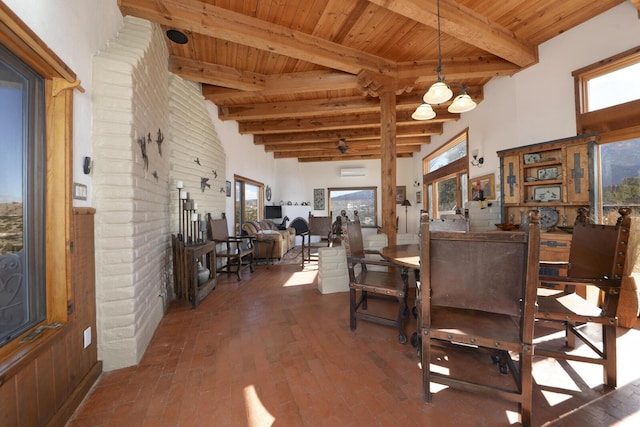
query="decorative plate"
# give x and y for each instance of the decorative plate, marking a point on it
(548, 217)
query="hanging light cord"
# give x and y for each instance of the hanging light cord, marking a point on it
(439, 68)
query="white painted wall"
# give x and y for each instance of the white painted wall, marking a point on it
(75, 30)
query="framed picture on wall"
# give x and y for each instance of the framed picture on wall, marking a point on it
(318, 199)
(418, 197)
(482, 188)
(228, 188)
(401, 194)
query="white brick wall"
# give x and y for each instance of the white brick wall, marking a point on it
(136, 212)
(483, 219)
(333, 275)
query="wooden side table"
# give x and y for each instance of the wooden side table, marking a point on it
(185, 270)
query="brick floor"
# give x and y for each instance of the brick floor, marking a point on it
(271, 350)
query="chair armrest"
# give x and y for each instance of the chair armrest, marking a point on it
(554, 264)
(372, 252)
(580, 281)
(370, 261)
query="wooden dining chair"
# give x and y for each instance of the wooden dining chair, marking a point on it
(365, 283)
(236, 251)
(479, 294)
(319, 227)
(597, 258)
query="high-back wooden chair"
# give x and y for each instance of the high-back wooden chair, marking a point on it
(596, 259)
(237, 251)
(319, 226)
(479, 291)
(365, 284)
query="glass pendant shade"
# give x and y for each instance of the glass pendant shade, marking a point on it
(462, 104)
(423, 112)
(438, 93)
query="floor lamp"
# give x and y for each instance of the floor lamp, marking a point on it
(406, 205)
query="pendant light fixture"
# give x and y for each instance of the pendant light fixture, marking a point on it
(440, 92)
(423, 112)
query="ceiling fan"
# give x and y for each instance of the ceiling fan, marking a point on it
(342, 146)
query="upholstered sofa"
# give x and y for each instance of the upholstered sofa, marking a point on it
(284, 239)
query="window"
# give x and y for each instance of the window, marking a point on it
(46, 106)
(620, 171)
(613, 88)
(249, 203)
(608, 103)
(445, 177)
(22, 284)
(361, 199)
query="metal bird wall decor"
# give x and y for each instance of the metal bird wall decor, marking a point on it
(142, 142)
(204, 182)
(159, 140)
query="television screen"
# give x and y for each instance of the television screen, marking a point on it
(273, 212)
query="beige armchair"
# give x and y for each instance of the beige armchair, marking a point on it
(265, 229)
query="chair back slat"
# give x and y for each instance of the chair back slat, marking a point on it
(218, 229)
(494, 272)
(478, 275)
(320, 225)
(353, 241)
(595, 251)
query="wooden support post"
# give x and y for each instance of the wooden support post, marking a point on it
(386, 88)
(388, 162)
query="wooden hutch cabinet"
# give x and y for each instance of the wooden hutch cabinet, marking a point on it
(556, 177)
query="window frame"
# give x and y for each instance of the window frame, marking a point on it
(239, 217)
(615, 118)
(458, 168)
(16, 37)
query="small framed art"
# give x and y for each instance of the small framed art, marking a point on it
(482, 188)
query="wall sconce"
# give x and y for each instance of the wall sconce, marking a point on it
(86, 165)
(476, 161)
(416, 183)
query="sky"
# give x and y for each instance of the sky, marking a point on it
(10, 145)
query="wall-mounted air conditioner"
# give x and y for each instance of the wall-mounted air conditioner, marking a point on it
(352, 172)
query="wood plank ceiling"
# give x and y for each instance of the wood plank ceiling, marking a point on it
(300, 75)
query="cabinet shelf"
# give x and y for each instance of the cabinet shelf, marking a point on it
(555, 162)
(542, 182)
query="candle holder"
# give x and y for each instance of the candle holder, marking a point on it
(192, 229)
(179, 187)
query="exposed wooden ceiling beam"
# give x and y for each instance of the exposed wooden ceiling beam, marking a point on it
(307, 108)
(352, 121)
(223, 24)
(324, 107)
(409, 73)
(348, 157)
(456, 68)
(418, 129)
(358, 151)
(214, 74)
(415, 142)
(466, 25)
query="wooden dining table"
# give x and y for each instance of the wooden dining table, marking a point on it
(408, 258)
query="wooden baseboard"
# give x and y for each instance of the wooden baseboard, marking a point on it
(76, 397)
